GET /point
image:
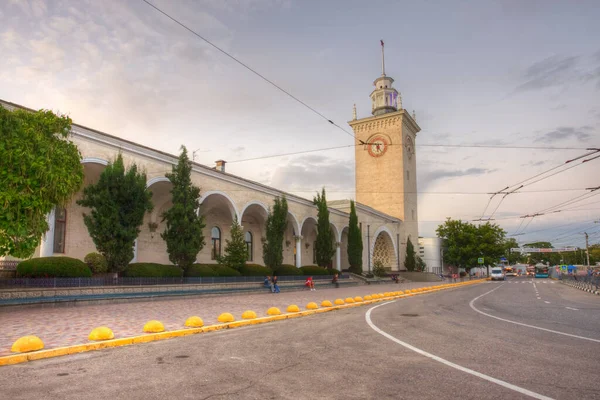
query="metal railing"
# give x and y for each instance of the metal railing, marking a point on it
(586, 281)
(109, 281)
(9, 265)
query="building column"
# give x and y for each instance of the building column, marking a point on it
(338, 255)
(298, 251)
(47, 244)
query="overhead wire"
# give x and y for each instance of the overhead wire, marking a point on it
(249, 68)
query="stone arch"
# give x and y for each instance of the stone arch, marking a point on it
(253, 219)
(94, 160)
(341, 231)
(219, 210)
(150, 246)
(384, 248)
(308, 231)
(295, 226)
(231, 204)
(292, 234)
(306, 219)
(156, 180)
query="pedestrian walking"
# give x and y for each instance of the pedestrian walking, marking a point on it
(275, 285)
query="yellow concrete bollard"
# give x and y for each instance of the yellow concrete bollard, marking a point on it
(349, 300)
(339, 302)
(194, 322)
(293, 308)
(312, 306)
(226, 317)
(358, 299)
(101, 333)
(273, 311)
(368, 297)
(27, 343)
(154, 326)
(248, 314)
(326, 303)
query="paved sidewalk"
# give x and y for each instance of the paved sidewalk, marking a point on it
(59, 326)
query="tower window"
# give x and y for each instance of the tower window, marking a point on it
(408, 175)
(413, 214)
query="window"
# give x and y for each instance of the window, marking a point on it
(216, 243)
(248, 239)
(60, 229)
(413, 214)
(408, 175)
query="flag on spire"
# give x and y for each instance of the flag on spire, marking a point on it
(381, 43)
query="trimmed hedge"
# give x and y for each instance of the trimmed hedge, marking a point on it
(96, 262)
(50, 267)
(287, 270)
(316, 270)
(152, 270)
(206, 270)
(201, 270)
(255, 270)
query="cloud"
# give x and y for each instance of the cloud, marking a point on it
(582, 134)
(552, 71)
(534, 164)
(439, 174)
(308, 174)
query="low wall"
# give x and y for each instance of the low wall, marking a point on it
(419, 276)
(8, 274)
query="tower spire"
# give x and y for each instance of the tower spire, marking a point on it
(382, 60)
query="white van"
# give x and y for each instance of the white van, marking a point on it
(497, 274)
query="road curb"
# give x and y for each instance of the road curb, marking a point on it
(581, 287)
(151, 337)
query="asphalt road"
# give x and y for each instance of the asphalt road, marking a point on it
(358, 353)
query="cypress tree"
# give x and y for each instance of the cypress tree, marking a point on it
(183, 233)
(236, 253)
(118, 203)
(324, 245)
(410, 261)
(275, 231)
(355, 245)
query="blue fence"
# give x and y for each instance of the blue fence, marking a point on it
(102, 281)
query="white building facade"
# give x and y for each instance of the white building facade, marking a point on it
(431, 252)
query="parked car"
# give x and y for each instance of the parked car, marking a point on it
(497, 274)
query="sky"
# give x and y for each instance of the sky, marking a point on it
(495, 73)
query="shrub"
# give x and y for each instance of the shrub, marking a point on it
(201, 270)
(151, 270)
(96, 262)
(378, 269)
(287, 270)
(223, 270)
(50, 267)
(356, 269)
(255, 270)
(316, 270)
(462, 274)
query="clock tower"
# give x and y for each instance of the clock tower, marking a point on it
(386, 165)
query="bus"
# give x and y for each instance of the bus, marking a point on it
(541, 271)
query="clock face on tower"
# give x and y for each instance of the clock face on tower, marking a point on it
(377, 146)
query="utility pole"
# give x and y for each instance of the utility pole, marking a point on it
(587, 249)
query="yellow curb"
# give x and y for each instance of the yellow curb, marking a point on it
(41, 354)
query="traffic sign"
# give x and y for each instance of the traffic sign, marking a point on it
(503, 259)
(480, 260)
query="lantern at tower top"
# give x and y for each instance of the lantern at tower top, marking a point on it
(384, 98)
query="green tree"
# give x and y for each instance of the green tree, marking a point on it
(355, 245)
(236, 252)
(410, 262)
(513, 257)
(275, 231)
(324, 244)
(490, 244)
(118, 203)
(40, 168)
(185, 224)
(460, 243)
(535, 258)
(421, 266)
